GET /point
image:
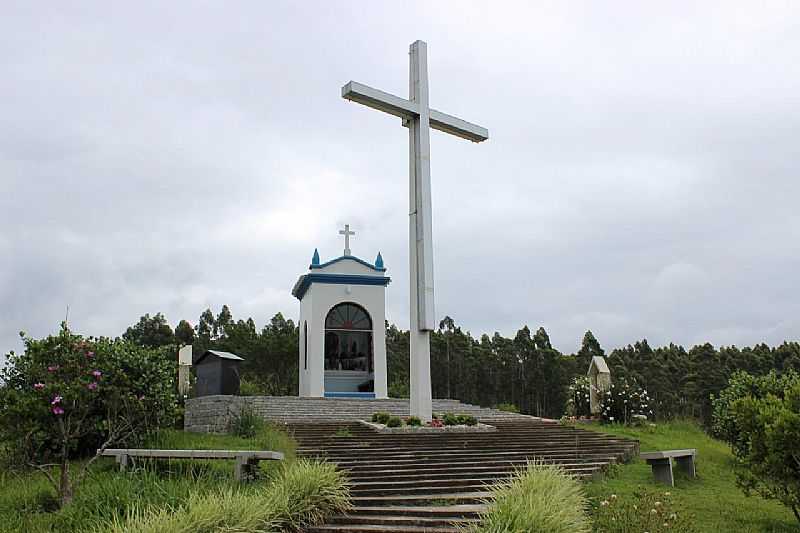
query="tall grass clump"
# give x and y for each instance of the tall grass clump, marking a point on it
(305, 494)
(246, 423)
(301, 494)
(539, 498)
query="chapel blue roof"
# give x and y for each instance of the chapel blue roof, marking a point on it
(377, 267)
(305, 281)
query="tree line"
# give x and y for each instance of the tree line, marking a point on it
(525, 370)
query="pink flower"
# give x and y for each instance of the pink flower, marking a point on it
(56, 400)
(92, 386)
(52, 368)
(58, 410)
(38, 386)
(97, 374)
(89, 354)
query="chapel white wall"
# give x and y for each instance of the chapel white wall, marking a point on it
(314, 307)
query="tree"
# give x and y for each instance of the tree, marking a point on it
(223, 323)
(763, 429)
(152, 332)
(184, 333)
(66, 396)
(589, 348)
(449, 327)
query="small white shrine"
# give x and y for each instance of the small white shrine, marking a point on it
(342, 326)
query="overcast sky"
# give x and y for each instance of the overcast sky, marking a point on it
(641, 179)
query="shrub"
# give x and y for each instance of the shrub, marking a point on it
(645, 511)
(507, 407)
(740, 385)
(67, 396)
(302, 494)
(246, 423)
(394, 422)
(413, 421)
(537, 499)
(763, 433)
(450, 419)
(466, 420)
(251, 388)
(381, 417)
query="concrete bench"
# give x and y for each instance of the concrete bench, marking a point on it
(246, 460)
(662, 463)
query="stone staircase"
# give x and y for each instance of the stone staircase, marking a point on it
(412, 483)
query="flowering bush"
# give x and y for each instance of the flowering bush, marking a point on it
(622, 403)
(578, 398)
(66, 395)
(644, 511)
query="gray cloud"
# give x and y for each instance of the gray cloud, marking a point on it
(641, 179)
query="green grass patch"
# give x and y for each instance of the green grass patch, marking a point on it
(28, 503)
(302, 493)
(712, 499)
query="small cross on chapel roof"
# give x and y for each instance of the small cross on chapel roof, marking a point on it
(346, 232)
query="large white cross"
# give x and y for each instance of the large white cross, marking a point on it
(419, 118)
(346, 232)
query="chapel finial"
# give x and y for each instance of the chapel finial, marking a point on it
(379, 261)
(315, 258)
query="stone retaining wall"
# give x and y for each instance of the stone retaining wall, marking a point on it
(213, 414)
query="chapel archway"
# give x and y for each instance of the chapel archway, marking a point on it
(348, 346)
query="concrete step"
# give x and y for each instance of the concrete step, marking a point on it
(393, 520)
(336, 528)
(452, 498)
(448, 511)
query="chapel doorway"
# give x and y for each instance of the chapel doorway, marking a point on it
(349, 362)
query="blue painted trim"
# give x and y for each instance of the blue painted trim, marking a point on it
(305, 281)
(376, 268)
(366, 395)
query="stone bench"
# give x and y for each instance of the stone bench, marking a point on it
(246, 460)
(662, 463)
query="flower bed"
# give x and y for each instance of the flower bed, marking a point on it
(449, 422)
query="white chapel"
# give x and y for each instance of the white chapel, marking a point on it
(342, 326)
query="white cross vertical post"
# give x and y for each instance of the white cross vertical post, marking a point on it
(346, 232)
(419, 118)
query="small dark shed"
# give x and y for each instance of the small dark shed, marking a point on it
(217, 373)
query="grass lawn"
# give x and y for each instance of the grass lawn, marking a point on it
(713, 498)
(28, 504)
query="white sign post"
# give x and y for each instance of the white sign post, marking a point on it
(419, 118)
(184, 364)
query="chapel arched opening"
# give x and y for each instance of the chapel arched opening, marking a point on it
(349, 360)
